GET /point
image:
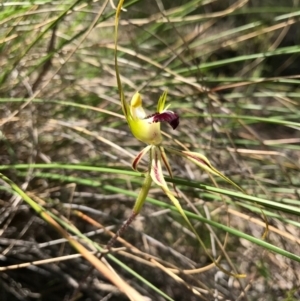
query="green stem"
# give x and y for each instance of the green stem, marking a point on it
(143, 194)
(136, 210)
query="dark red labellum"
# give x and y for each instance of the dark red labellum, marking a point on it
(166, 116)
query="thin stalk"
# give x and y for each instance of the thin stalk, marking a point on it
(141, 198)
(143, 194)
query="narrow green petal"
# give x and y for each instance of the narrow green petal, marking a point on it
(204, 163)
(201, 161)
(161, 102)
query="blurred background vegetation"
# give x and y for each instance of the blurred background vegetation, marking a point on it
(232, 72)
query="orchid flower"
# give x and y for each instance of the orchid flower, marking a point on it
(146, 128)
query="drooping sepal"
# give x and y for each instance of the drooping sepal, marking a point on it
(167, 165)
(139, 157)
(156, 177)
(166, 161)
(156, 168)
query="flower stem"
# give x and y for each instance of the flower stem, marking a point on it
(136, 210)
(142, 194)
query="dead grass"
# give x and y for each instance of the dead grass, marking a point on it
(60, 104)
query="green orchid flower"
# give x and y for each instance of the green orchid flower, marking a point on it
(146, 128)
